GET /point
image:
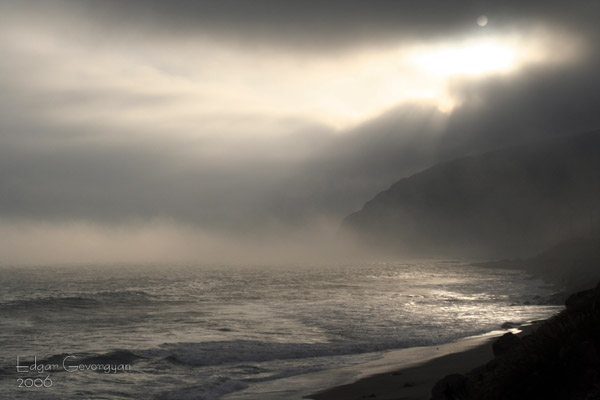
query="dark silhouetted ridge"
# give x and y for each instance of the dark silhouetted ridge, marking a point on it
(509, 202)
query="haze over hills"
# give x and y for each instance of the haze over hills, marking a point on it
(574, 263)
(510, 202)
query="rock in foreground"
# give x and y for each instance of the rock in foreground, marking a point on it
(559, 360)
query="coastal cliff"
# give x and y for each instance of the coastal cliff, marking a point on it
(510, 202)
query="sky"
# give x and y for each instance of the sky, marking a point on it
(217, 130)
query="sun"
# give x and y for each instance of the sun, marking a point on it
(482, 20)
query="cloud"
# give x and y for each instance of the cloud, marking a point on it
(309, 25)
(216, 117)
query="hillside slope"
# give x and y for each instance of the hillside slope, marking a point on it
(509, 202)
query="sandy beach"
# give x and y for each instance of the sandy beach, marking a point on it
(408, 373)
(413, 382)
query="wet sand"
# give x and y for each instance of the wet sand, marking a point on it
(412, 382)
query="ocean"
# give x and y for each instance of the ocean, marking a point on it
(212, 331)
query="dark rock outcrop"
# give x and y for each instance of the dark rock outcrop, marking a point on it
(505, 343)
(559, 360)
(452, 387)
(510, 325)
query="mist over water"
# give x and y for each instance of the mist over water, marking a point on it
(33, 243)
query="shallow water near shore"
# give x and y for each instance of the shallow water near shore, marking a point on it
(392, 361)
(204, 332)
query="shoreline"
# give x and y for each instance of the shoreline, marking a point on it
(417, 366)
(415, 380)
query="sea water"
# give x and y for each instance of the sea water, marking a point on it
(203, 331)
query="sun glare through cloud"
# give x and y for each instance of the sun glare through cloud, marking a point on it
(471, 59)
(191, 86)
(476, 58)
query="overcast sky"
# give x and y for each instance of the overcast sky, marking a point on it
(163, 124)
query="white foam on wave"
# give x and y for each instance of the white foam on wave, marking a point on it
(239, 351)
